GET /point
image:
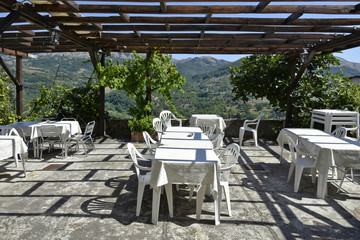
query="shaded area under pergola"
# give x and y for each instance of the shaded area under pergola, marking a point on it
(192, 27)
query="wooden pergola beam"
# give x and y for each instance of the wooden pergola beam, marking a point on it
(8, 20)
(294, 16)
(261, 6)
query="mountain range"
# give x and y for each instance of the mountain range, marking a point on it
(207, 89)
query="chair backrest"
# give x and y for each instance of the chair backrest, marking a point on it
(292, 147)
(133, 154)
(50, 131)
(255, 121)
(13, 132)
(339, 132)
(89, 129)
(229, 158)
(158, 126)
(132, 151)
(208, 127)
(166, 116)
(68, 119)
(218, 140)
(148, 141)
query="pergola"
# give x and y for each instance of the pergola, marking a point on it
(192, 27)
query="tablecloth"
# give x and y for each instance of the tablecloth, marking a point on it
(197, 118)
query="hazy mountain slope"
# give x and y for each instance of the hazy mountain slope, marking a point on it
(207, 90)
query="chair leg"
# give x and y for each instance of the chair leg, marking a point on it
(291, 170)
(342, 180)
(298, 173)
(255, 138)
(191, 193)
(352, 174)
(227, 197)
(83, 143)
(140, 193)
(313, 175)
(241, 136)
(200, 200)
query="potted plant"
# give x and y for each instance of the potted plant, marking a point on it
(137, 126)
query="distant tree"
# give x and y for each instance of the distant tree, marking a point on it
(140, 77)
(269, 76)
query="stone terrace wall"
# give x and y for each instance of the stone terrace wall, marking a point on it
(117, 128)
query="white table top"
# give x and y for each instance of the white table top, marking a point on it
(11, 145)
(30, 128)
(181, 158)
(195, 118)
(335, 111)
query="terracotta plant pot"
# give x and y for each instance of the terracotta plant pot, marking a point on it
(137, 137)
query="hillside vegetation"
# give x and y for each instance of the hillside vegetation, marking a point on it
(207, 89)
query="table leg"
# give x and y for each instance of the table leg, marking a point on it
(169, 196)
(322, 185)
(155, 205)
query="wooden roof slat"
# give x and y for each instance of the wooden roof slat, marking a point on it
(196, 9)
(182, 26)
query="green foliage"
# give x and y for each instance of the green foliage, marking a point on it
(143, 124)
(140, 78)
(268, 76)
(59, 101)
(7, 101)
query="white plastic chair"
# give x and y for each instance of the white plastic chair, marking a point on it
(246, 127)
(85, 137)
(208, 127)
(217, 142)
(353, 166)
(68, 119)
(14, 132)
(229, 158)
(53, 135)
(339, 132)
(149, 141)
(143, 179)
(166, 116)
(158, 126)
(299, 163)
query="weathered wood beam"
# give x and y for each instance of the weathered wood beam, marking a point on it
(12, 52)
(338, 43)
(215, 20)
(163, 7)
(8, 20)
(196, 9)
(74, 6)
(29, 13)
(8, 71)
(125, 17)
(28, 32)
(356, 9)
(261, 6)
(294, 16)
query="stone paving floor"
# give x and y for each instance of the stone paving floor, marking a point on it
(94, 197)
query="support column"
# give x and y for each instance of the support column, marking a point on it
(19, 86)
(102, 103)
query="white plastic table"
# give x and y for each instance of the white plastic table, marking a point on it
(185, 156)
(330, 151)
(196, 118)
(331, 117)
(12, 146)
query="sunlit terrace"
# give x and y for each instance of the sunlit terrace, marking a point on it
(94, 197)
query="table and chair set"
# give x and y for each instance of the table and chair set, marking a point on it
(16, 139)
(186, 156)
(322, 151)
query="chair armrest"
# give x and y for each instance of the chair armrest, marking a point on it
(223, 169)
